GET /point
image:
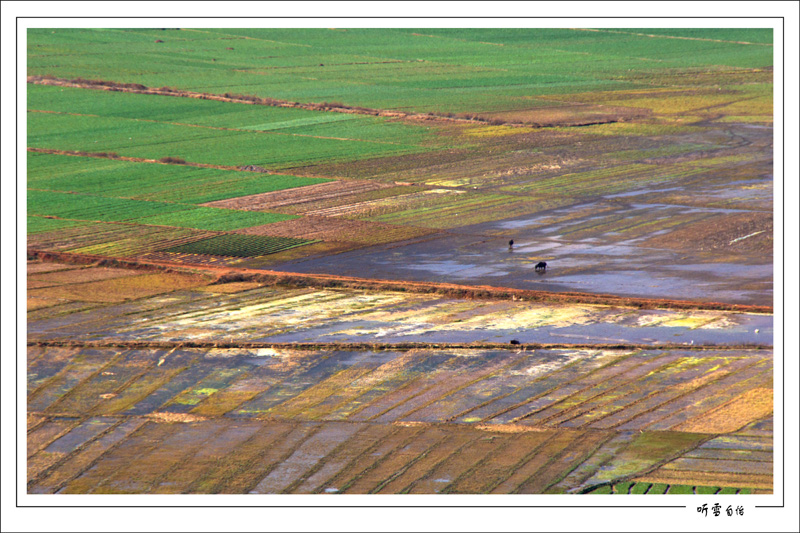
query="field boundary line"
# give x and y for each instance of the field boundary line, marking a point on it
(332, 107)
(400, 346)
(670, 36)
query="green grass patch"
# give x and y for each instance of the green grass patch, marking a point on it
(240, 245)
(428, 69)
(681, 489)
(85, 207)
(156, 140)
(42, 225)
(662, 488)
(210, 218)
(148, 181)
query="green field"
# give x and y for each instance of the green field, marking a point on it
(97, 208)
(239, 245)
(146, 181)
(446, 70)
(85, 207)
(215, 114)
(214, 219)
(41, 225)
(156, 140)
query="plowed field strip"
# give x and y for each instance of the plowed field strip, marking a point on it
(184, 473)
(526, 399)
(718, 394)
(270, 458)
(660, 406)
(371, 457)
(138, 443)
(390, 467)
(315, 479)
(407, 409)
(498, 464)
(237, 461)
(635, 393)
(560, 466)
(298, 196)
(539, 458)
(565, 407)
(141, 476)
(81, 460)
(451, 445)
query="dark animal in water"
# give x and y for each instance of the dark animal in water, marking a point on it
(541, 266)
(511, 243)
(514, 341)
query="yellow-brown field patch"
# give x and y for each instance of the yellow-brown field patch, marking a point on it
(230, 288)
(83, 275)
(718, 479)
(737, 413)
(121, 289)
(40, 303)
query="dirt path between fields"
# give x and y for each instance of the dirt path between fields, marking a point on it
(172, 161)
(334, 107)
(384, 346)
(226, 274)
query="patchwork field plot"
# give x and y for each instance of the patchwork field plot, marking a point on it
(366, 422)
(304, 261)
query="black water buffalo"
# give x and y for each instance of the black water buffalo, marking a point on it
(511, 243)
(541, 266)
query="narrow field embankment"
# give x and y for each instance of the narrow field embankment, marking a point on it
(226, 274)
(384, 346)
(162, 161)
(334, 107)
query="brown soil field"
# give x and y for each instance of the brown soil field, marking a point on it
(40, 303)
(121, 288)
(742, 233)
(298, 196)
(41, 268)
(337, 229)
(571, 115)
(754, 404)
(83, 275)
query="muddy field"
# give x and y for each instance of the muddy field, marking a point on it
(326, 396)
(267, 421)
(193, 310)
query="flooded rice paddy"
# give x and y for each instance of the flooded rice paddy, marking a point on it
(293, 417)
(422, 421)
(264, 314)
(579, 257)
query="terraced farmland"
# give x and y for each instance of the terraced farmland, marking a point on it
(304, 261)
